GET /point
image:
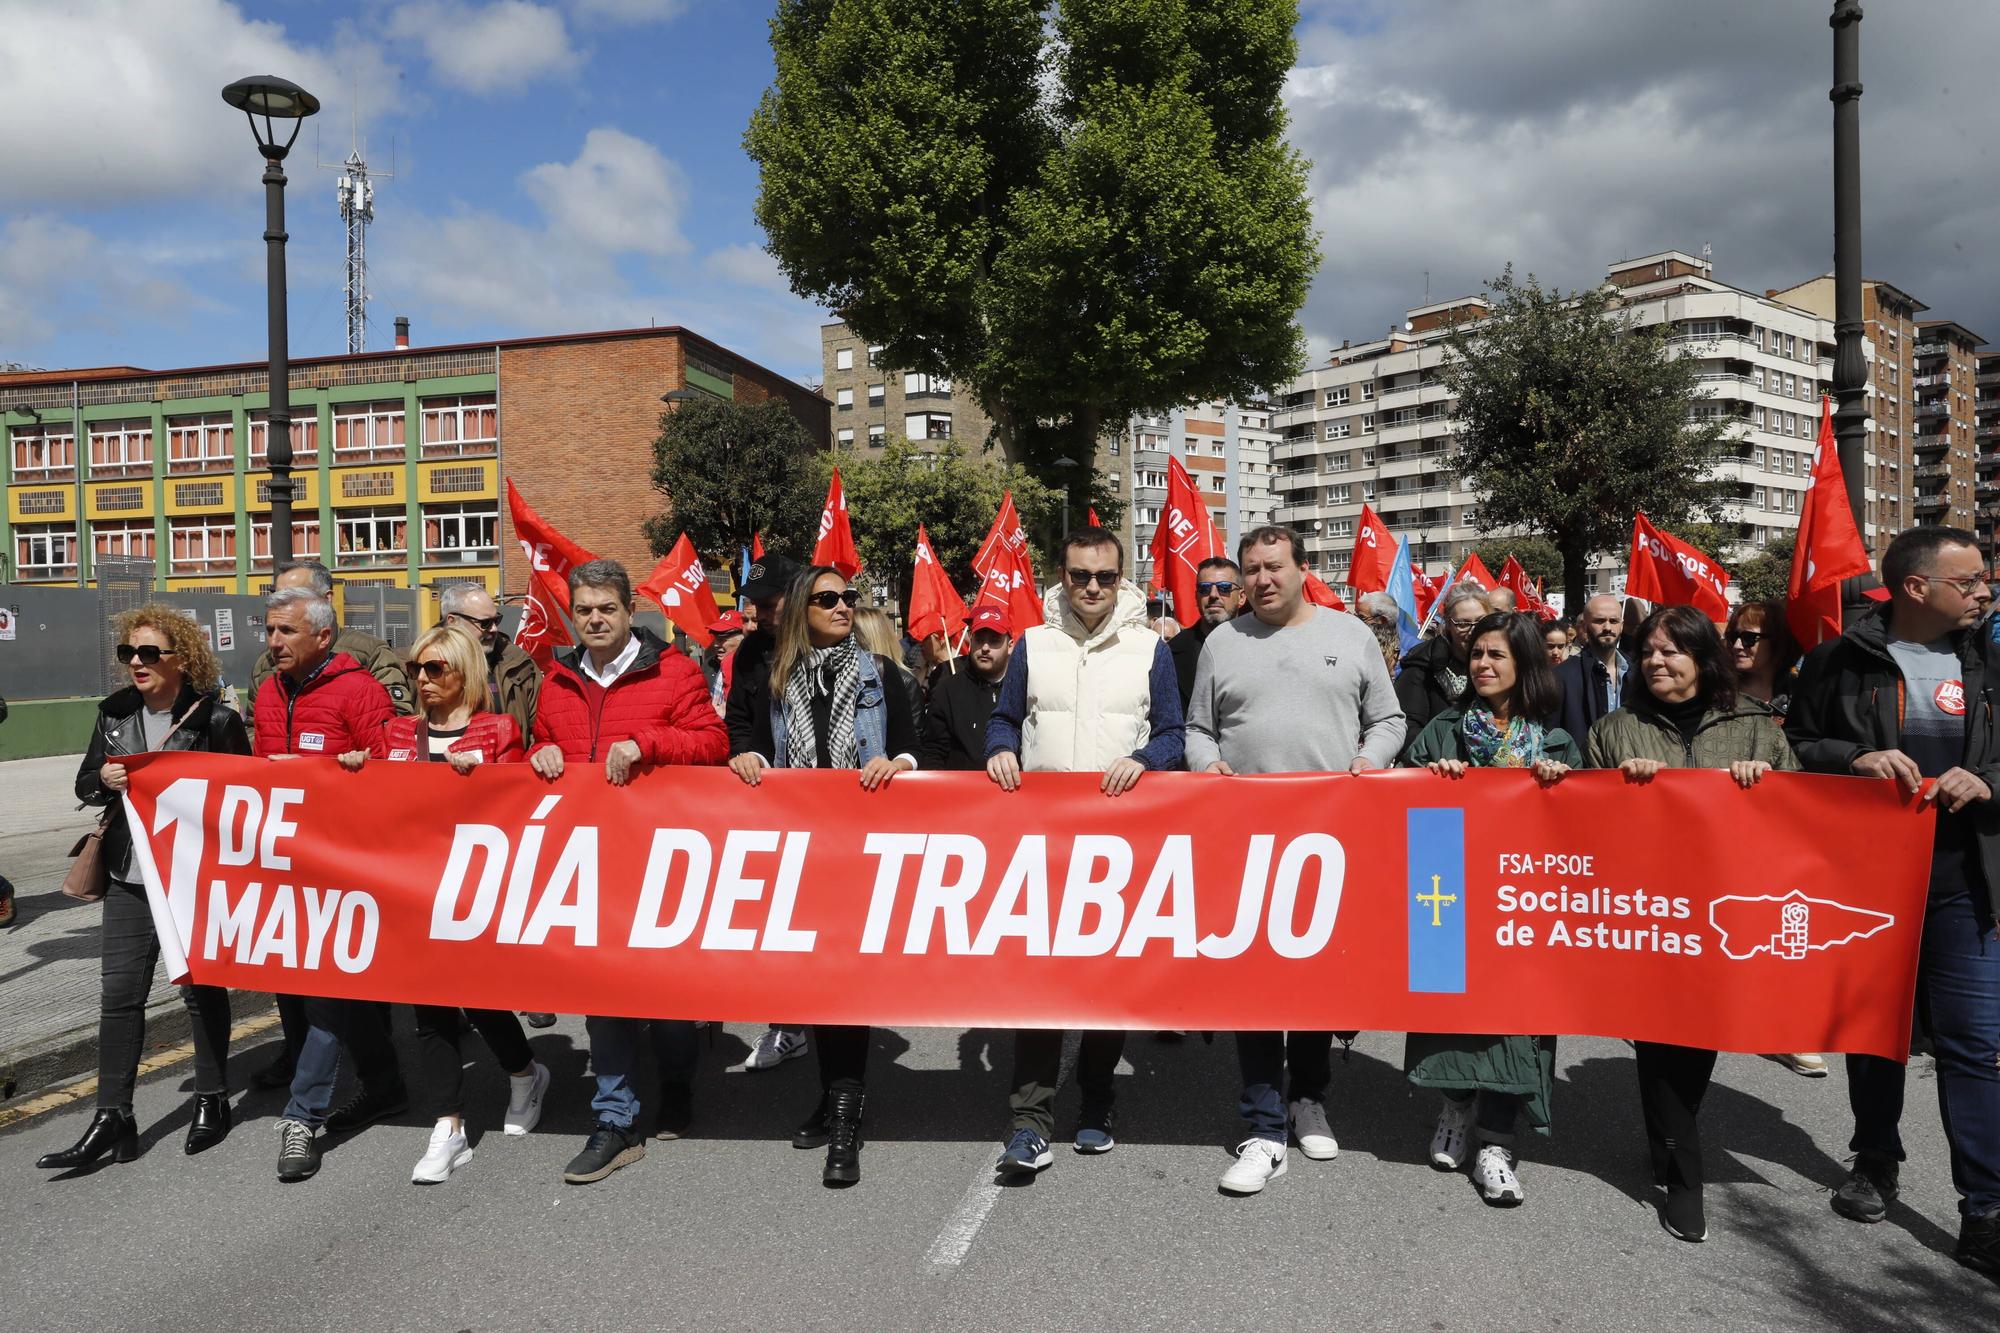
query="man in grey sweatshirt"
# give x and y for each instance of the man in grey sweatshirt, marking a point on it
(1292, 688)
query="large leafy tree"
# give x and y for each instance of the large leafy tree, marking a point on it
(1538, 555)
(1767, 575)
(1570, 420)
(1075, 208)
(732, 469)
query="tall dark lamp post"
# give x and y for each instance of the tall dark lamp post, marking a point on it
(269, 99)
(1850, 366)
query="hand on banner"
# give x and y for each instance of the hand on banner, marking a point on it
(1890, 764)
(352, 760)
(547, 761)
(1122, 776)
(1548, 772)
(1220, 769)
(1005, 769)
(1956, 789)
(749, 767)
(1747, 771)
(1447, 768)
(113, 777)
(1641, 770)
(620, 762)
(462, 763)
(1362, 764)
(877, 771)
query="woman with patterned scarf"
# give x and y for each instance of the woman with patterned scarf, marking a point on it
(832, 706)
(1490, 1082)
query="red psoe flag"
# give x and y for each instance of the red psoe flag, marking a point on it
(1427, 590)
(836, 539)
(1094, 521)
(1185, 537)
(1668, 572)
(1514, 578)
(1319, 594)
(1829, 546)
(1474, 571)
(679, 586)
(551, 556)
(1006, 574)
(1374, 554)
(756, 546)
(935, 606)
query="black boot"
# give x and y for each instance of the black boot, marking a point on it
(211, 1123)
(811, 1132)
(843, 1139)
(110, 1131)
(1683, 1215)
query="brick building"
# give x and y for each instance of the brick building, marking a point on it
(1987, 406)
(399, 457)
(1226, 448)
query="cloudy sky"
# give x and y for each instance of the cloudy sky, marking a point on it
(576, 164)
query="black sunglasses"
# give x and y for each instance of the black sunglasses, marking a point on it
(146, 653)
(433, 667)
(826, 599)
(1746, 638)
(1103, 578)
(1225, 588)
(484, 623)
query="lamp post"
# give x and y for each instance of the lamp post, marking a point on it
(274, 99)
(1065, 463)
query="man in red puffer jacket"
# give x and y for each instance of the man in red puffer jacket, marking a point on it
(628, 701)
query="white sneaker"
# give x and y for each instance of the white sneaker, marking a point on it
(1806, 1063)
(776, 1046)
(524, 1099)
(1448, 1140)
(1493, 1173)
(1258, 1163)
(1315, 1136)
(446, 1153)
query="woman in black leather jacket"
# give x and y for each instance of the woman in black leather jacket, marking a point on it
(171, 704)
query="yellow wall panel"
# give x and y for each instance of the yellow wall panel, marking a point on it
(367, 487)
(41, 504)
(209, 584)
(305, 491)
(459, 479)
(487, 575)
(201, 495)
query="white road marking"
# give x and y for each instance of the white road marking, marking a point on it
(954, 1239)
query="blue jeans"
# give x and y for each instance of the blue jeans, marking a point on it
(1264, 1058)
(363, 1025)
(1958, 1003)
(614, 1059)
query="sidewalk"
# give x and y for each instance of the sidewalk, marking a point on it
(48, 957)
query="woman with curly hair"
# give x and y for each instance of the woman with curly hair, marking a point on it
(170, 704)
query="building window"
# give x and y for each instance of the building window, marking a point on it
(1368, 391)
(121, 448)
(1757, 455)
(44, 453)
(197, 494)
(366, 432)
(305, 539)
(875, 394)
(843, 398)
(844, 359)
(1368, 458)
(444, 481)
(1340, 527)
(44, 554)
(917, 385)
(876, 436)
(1339, 495)
(202, 545)
(305, 440)
(462, 534)
(1336, 397)
(370, 538)
(201, 444)
(1368, 424)
(927, 425)
(875, 355)
(455, 427)
(122, 540)
(845, 435)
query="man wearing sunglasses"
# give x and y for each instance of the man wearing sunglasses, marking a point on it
(513, 681)
(1908, 695)
(376, 657)
(1219, 596)
(1092, 690)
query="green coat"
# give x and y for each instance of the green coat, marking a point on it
(1747, 731)
(1522, 1066)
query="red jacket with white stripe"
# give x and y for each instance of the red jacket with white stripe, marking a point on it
(661, 704)
(341, 708)
(494, 737)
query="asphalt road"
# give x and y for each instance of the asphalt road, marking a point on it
(731, 1228)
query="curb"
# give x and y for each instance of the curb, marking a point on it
(36, 1066)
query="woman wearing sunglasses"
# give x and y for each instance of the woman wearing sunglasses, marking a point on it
(835, 706)
(455, 727)
(170, 704)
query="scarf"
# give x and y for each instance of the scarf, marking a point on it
(1517, 745)
(832, 673)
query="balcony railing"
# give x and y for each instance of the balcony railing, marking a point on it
(1932, 470)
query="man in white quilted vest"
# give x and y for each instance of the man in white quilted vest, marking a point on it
(1291, 688)
(1090, 691)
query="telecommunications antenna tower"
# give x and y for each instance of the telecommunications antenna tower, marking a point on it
(355, 192)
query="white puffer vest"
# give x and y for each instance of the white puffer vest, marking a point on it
(1089, 695)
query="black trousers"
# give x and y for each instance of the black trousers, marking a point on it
(441, 1028)
(1038, 1064)
(128, 952)
(843, 1057)
(1672, 1082)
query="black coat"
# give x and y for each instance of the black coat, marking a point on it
(749, 698)
(1848, 702)
(1421, 686)
(118, 732)
(1585, 692)
(954, 731)
(1185, 649)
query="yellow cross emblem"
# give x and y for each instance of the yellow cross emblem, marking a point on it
(1437, 899)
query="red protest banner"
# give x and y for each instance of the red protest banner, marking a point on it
(1667, 571)
(1390, 901)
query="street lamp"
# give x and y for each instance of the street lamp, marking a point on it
(274, 99)
(675, 397)
(1065, 463)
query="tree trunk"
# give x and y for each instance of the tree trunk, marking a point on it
(1576, 577)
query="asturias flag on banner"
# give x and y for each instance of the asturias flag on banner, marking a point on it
(1829, 547)
(679, 584)
(1006, 574)
(1374, 553)
(836, 539)
(1185, 537)
(1668, 572)
(935, 606)
(551, 556)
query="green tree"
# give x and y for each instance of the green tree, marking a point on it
(1571, 420)
(1075, 208)
(728, 470)
(1538, 555)
(1767, 575)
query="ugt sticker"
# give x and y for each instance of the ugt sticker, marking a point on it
(1950, 698)
(312, 740)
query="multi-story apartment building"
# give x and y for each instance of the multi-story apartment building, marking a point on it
(1987, 433)
(1373, 426)
(399, 457)
(873, 401)
(1227, 450)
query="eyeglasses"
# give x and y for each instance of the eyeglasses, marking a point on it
(434, 667)
(1083, 578)
(1747, 639)
(826, 600)
(1225, 588)
(1462, 626)
(482, 623)
(147, 654)
(1963, 587)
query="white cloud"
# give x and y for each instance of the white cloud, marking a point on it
(749, 266)
(56, 276)
(629, 11)
(620, 195)
(493, 48)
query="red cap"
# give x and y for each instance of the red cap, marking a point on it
(729, 622)
(990, 617)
